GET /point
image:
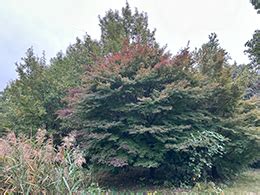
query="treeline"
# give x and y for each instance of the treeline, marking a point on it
(185, 117)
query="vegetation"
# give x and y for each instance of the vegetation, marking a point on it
(181, 115)
(34, 165)
(125, 107)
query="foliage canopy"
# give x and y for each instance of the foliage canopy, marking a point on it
(142, 108)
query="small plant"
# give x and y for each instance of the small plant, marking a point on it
(35, 165)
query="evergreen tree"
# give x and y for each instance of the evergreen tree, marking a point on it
(66, 71)
(211, 58)
(32, 100)
(253, 50)
(127, 26)
(24, 97)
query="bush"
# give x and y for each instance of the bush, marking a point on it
(35, 166)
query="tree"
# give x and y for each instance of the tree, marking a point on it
(211, 58)
(24, 97)
(140, 108)
(66, 71)
(253, 50)
(32, 100)
(127, 26)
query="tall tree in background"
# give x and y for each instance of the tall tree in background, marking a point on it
(253, 52)
(211, 58)
(127, 26)
(24, 98)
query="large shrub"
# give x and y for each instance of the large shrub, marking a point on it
(142, 108)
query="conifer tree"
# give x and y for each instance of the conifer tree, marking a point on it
(118, 27)
(24, 98)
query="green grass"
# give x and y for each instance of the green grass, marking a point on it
(247, 183)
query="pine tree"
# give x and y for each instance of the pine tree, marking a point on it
(127, 26)
(24, 98)
(253, 50)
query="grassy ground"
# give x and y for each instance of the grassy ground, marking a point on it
(247, 183)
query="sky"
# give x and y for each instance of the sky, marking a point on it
(51, 25)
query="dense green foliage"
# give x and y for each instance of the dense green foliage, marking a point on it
(253, 51)
(32, 100)
(65, 72)
(184, 118)
(24, 98)
(142, 108)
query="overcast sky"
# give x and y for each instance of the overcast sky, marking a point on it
(51, 25)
